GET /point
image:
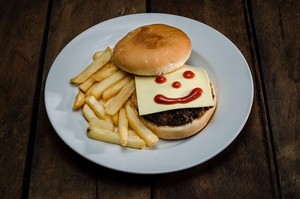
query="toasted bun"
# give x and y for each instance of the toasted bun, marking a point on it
(152, 50)
(183, 131)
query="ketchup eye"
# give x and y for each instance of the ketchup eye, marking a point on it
(188, 74)
(160, 79)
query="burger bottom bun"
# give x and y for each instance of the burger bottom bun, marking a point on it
(183, 131)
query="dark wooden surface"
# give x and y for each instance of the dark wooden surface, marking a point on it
(264, 160)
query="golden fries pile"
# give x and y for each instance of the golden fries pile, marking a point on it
(103, 96)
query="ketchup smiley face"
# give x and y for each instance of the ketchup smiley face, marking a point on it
(194, 94)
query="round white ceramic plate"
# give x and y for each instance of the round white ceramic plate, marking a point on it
(226, 66)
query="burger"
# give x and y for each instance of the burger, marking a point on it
(156, 53)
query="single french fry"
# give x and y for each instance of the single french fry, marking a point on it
(105, 72)
(123, 127)
(108, 101)
(148, 136)
(85, 86)
(97, 54)
(79, 100)
(113, 90)
(112, 137)
(88, 113)
(93, 67)
(97, 89)
(95, 106)
(119, 100)
(96, 122)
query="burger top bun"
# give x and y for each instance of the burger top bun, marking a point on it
(152, 50)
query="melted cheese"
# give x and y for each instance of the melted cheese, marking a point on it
(147, 89)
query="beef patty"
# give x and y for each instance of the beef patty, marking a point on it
(176, 117)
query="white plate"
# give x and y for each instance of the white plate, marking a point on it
(226, 66)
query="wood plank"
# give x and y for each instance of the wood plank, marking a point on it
(21, 37)
(236, 172)
(277, 30)
(57, 171)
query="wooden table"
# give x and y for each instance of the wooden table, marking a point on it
(264, 160)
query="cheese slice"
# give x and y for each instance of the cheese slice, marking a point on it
(147, 89)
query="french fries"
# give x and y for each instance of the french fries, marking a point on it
(103, 124)
(123, 127)
(114, 106)
(105, 72)
(107, 102)
(79, 100)
(97, 89)
(95, 106)
(115, 119)
(104, 91)
(97, 54)
(93, 67)
(88, 113)
(85, 86)
(150, 138)
(112, 137)
(112, 91)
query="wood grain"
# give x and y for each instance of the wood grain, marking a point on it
(237, 172)
(57, 171)
(21, 33)
(277, 30)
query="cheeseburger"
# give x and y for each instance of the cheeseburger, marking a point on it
(174, 100)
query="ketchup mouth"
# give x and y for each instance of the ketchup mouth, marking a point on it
(193, 95)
